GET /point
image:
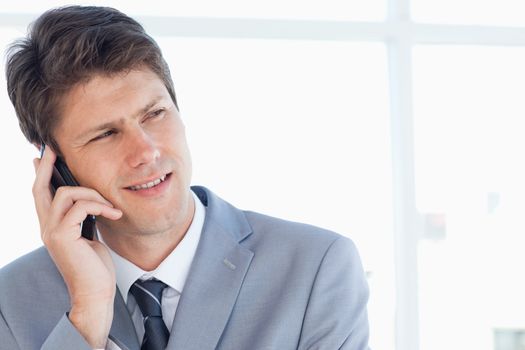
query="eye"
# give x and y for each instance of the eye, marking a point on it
(103, 135)
(156, 113)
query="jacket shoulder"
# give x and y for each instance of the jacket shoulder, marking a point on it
(294, 237)
(296, 230)
(27, 263)
(33, 298)
(35, 269)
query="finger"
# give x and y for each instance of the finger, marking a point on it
(42, 197)
(80, 210)
(41, 186)
(67, 196)
(83, 208)
(44, 171)
(36, 163)
(73, 193)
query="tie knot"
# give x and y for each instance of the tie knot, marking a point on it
(148, 295)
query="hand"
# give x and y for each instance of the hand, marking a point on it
(86, 266)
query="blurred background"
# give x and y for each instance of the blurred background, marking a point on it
(397, 123)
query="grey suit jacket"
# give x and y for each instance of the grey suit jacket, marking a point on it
(256, 282)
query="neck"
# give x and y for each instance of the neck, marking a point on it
(147, 251)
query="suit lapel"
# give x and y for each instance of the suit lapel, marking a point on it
(215, 278)
(122, 331)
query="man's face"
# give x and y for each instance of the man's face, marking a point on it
(121, 133)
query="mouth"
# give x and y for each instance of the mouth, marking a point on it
(149, 184)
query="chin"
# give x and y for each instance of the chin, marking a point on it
(149, 219)
(126, 227)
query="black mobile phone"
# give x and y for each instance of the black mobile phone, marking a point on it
(62, 177)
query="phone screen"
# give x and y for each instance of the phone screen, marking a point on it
(62, 177)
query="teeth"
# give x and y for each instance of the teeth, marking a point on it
(149, 184)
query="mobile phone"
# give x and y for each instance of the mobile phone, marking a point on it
(62, 177)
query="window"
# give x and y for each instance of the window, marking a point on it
(486, 12)
(469, 169)
(396, 123)
(369, 10)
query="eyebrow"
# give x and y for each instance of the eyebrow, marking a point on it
(110, 125)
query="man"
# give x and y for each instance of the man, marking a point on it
(172, 267)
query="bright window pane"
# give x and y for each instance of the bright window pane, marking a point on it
(364, 10)
(487, 12)
(299, 130)
(469, 129)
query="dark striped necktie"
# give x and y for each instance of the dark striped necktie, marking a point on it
(148, 295)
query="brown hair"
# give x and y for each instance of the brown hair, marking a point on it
(66, 46)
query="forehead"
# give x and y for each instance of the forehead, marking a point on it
(106, 97)
(112, 88)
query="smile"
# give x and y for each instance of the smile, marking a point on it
(149, 184)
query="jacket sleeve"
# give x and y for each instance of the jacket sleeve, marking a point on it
(336, 315)
(7, 340)
(65, 336)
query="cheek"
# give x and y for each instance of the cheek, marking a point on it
(179, 139)
(96, 174)
(173, 140)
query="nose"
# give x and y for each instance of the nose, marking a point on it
(141, 149)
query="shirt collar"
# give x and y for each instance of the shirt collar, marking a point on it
(174, 269)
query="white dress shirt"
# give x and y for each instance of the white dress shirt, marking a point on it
(173, 271)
